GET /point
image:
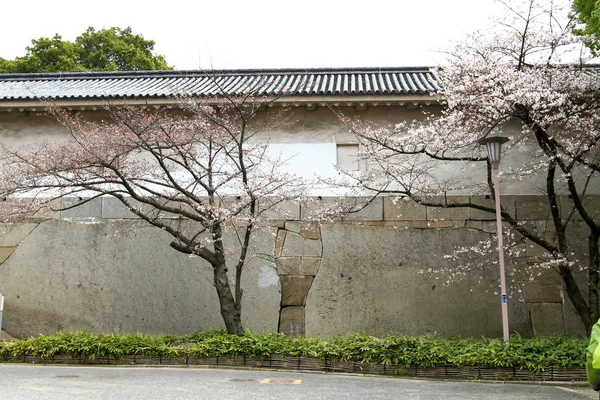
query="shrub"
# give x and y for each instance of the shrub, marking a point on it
(531, 354)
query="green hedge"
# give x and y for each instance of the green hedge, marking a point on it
(531, 354)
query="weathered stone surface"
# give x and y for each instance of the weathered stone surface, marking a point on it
(507, 203)
(395, 209)
(16, 233)
(286, 210)
(319, 207)
(490, 226)
(573, 324)
(449, 213)
(545, 226)
(535, 252)
(298, 265)
(5, 252)
(50, 210)
(370, 281)
(294, 289)
(279, 242)
(591, 204)
(5, 336)
(291, 321)
(91, 209)
(371, 212)
(431, 224)
(457, 223)
(478, 225)
(113, 208)
(75, 276)
(293, 226)
(296, 245)
(536, 293)
(543, 277)
(310, 230)
(532, 208)
(337, 208)
(547, 319)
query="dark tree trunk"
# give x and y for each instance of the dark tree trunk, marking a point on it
(576, 297)
(229, 310)
(593, 279)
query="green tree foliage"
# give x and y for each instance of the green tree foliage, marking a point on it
(117, 49)
(587, 12)
(112, 49)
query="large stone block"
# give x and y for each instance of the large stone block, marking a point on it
(310, 230)
(296, 245)
(531, 275)
(375, 280)
(47, 211)
(537, 293)
(448, 213)
(294, 289)
(322, 207)
(298, 265)
(573, 324)
(371, 211)
(285, 210)
(591, 203)
(114, 208)
(291, 321)
(293, 226)
(507, 203)
(123, 277)
(547, 319)
(532, 208)
(90, 209)
(471, 224)
(342, 208)
(402, 209)
(14, 234)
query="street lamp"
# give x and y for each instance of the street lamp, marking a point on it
(494, 148)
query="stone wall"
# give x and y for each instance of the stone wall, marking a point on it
(96, 268)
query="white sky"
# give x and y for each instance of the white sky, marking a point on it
(260, 33)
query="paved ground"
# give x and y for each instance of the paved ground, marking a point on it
(28, 382)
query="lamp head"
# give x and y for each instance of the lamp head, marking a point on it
(494, 148)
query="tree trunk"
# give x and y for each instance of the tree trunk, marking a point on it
(576, 297)
(229, 310)
(593, 279)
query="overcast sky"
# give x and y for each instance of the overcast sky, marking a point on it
(260, 33)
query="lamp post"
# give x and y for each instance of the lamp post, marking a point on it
(494, 148)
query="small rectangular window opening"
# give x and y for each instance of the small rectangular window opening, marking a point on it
(347, 156)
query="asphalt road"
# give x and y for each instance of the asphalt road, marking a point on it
(27, 382)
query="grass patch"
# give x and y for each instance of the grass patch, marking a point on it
(427, 351)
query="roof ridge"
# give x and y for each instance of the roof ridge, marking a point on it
(202, 72)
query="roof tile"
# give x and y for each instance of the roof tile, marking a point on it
(289, 82)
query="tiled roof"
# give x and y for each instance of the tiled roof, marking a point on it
(162, 84)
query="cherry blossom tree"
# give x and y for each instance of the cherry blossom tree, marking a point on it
(525, 78)
(195, 171)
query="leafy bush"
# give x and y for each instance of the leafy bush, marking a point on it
(532, 354)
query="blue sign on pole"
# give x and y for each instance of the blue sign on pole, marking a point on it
(504, 298)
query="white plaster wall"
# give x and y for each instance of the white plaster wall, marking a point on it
(308, 139)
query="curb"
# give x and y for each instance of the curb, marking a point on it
(550, 376)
